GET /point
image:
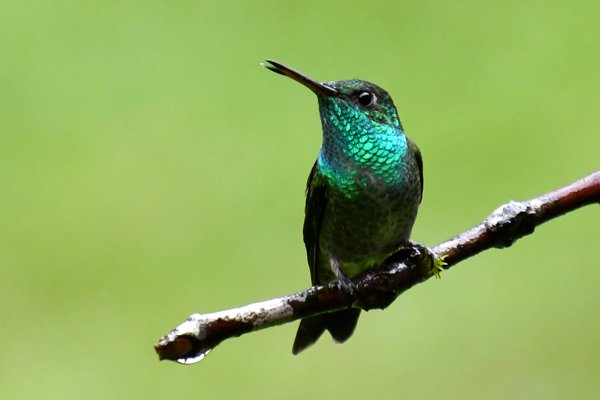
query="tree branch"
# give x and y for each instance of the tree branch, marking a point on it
(378, 287)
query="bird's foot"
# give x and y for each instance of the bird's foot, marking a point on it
(432, 262)
(347, 285)
(344, 282)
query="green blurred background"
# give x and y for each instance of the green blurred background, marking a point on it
(151, 168)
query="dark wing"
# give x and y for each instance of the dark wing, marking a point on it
(316, 198)
(340, 323)
(412, 147)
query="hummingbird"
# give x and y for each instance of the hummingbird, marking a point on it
(362, 194)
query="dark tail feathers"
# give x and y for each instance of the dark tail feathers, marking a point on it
(340, 325)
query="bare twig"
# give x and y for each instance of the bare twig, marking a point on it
(379, 287)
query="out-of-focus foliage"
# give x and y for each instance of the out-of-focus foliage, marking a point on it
(150, 168)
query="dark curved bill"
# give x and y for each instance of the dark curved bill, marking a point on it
(310, 83)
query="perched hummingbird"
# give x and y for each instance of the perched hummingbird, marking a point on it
(362, 194)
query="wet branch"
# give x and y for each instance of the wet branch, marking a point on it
(379, 287)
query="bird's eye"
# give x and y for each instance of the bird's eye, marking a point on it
(366, 99)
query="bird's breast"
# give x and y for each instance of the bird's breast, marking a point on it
(368, 215)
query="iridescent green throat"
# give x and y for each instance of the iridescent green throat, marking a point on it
(360, 145)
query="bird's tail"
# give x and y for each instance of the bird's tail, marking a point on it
(340, 325)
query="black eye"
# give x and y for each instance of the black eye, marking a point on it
(366, 99)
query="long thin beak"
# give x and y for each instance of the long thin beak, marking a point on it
(310, 83)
